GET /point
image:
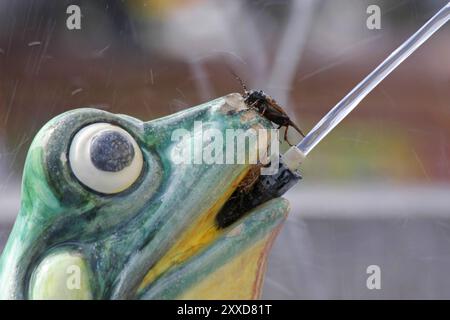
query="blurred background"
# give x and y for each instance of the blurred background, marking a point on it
(375, 192)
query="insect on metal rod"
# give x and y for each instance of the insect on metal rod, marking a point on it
(271, 186)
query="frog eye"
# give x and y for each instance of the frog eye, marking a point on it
(105, 158)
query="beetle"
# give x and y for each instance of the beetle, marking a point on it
(269, 108)
(243, 199)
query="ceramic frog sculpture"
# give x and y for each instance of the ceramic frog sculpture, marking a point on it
(108, 213)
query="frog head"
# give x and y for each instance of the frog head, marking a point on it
(108, 210)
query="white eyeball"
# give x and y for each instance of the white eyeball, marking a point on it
(105, 158)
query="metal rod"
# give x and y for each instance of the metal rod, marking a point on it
(351, 100)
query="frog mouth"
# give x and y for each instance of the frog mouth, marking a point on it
(224, 263)
(213, 262)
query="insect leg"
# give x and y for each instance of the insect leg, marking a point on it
(285, 136)
(252, 106)
(292, 124)
(264, 110)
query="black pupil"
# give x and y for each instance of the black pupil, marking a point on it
(111, 151)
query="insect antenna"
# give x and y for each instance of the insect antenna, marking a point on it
(243, 85)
